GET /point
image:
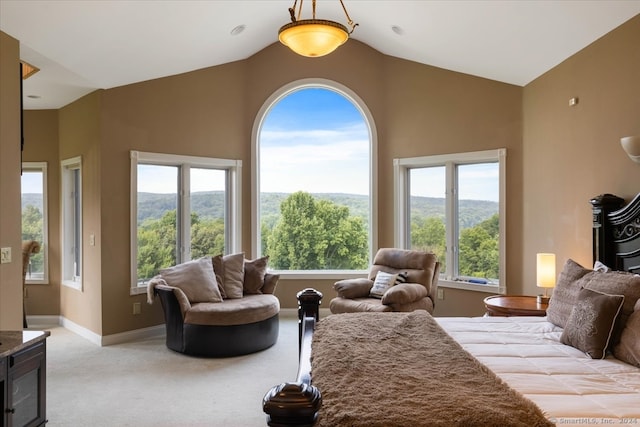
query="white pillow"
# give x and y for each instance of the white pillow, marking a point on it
(383, 282)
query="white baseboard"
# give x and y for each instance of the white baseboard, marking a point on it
(44, 322)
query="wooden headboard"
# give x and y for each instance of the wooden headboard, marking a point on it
(616, 232)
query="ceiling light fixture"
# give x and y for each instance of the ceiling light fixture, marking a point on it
(314, 37)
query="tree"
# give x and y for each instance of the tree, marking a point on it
(428, 234)
(317, 235)
(32, 228)
(479, 250)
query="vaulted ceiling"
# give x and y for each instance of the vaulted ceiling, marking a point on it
(83, 45)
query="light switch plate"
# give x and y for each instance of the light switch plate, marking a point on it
(5, 255)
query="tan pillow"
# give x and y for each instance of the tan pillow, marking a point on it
(590, 325)
(270, 282)
(628, 350)
(218, 270)
(404, 293)
(195, 279)
(254, 272)
(353, 288)
(383, 282)
(233, 274)
(565, 293)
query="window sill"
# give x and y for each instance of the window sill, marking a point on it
(458, 284)
(72, 284)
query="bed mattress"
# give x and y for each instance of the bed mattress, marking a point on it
(571, 388)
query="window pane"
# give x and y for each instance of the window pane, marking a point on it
(314, 183)
(33, 219)
(77, 215)
(157, 219)
(427, 211)
(478, 220)
(208, 212)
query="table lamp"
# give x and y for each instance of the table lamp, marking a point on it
(545, 274)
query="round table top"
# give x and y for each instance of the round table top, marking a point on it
(515, 305)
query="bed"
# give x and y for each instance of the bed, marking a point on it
(569, 368)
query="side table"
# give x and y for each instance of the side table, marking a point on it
(514, 305)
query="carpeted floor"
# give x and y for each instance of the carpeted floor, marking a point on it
(145, 384)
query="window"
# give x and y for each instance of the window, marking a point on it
(182, 208)
(35, 218)
(72, 222)
(454, 205)
(314, 174)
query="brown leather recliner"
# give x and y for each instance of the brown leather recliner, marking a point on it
(417, 293)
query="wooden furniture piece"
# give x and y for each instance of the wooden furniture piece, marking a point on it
(616, 241)
(23, 388)
(514, 305)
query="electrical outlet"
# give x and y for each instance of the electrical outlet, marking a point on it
(5, 255)
(136, 308)
(440, 293)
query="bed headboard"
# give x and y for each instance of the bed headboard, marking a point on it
(616, 232)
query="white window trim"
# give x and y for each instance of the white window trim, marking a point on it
(66, 235)
(401, 207)
(44, 246)
(233, 207)
(373, 171)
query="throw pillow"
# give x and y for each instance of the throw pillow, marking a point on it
(628, 350)
(383, 282)
(195, 279)
(353, 288)
(229, 271)
(218, 270)
(590, 325)
(254, 272)
(617, 283)
(402, 277)
(565, 293)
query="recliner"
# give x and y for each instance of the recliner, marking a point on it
(417, 293)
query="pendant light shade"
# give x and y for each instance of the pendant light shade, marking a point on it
(313, 37)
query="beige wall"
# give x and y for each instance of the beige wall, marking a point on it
(573, 153)
(41, 145)
(553, 151)
(10, 273)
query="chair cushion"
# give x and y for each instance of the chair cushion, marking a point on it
(404, 293)
(195, 278)
(250, 309)
(419, 266)
(355, 305)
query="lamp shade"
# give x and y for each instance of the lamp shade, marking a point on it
(631, 146)
(313, 37)
(546, 270)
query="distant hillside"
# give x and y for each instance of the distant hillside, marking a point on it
(210, 204)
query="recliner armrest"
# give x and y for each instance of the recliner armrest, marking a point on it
(404, 293)
(353, 288)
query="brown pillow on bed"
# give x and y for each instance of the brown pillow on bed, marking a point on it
(353, 288)
(616, 283)
(628, 350)
(590, 325)
(565, 293)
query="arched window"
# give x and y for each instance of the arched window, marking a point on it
(313, 203)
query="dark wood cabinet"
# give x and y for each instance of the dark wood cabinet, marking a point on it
(23, 383)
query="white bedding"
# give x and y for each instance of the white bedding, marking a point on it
(571, 388)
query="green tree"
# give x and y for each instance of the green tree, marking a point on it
(479, 249)
(317, 235)
(32, 228)
(428, 234)
(157, 244)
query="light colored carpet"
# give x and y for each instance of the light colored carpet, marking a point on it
(145, 384)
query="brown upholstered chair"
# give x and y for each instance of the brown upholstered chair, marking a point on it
(417, 293)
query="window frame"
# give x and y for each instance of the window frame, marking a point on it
(401, 169)
(44, 246)
(282, 92)
(233, 203)
(71, 222)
